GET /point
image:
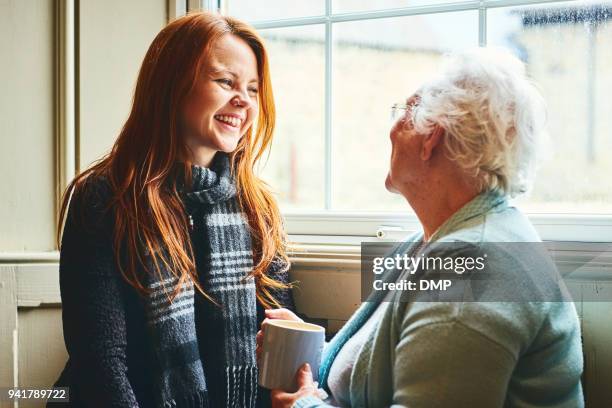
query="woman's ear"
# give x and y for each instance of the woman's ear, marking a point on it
(431, 142)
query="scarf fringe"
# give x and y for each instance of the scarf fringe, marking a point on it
(241, 386)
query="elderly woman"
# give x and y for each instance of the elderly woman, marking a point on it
(463, 144)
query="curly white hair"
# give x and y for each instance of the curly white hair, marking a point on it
(493, 115)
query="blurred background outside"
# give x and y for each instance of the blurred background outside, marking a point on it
(567, 47)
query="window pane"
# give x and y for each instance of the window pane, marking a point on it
(568, 50)
(377, 63)
(296, 166)
(344, 6)
(273, 9)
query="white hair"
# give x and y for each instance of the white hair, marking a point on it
(494, 117)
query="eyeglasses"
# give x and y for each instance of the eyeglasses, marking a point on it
(399, 110)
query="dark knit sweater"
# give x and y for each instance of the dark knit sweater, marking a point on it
(104, 322)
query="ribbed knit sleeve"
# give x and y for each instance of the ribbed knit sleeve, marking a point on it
(93, 309)
(278, 270)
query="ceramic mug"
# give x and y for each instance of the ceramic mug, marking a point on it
(287, 345)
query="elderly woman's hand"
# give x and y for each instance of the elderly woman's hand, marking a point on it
(283, 314)
(306, 387)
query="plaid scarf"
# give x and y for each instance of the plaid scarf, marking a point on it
(206, 353)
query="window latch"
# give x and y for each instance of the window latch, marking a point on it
(391, 232)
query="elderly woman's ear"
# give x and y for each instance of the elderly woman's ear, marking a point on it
(432, 141)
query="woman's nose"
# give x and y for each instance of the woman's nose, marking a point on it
(393, 131)
(242, 99)
(392, 136)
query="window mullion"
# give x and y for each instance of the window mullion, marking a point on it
(482, 26)
(328, 106)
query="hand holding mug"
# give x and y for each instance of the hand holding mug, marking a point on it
(303, 378)
(283, 314)
(284, 344)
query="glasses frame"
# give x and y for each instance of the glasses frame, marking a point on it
(399, 110)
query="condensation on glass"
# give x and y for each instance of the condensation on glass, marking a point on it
(568, 50)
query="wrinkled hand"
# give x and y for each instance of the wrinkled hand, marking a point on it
(282, 314)
(306, 387)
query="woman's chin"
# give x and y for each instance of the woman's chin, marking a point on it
(227, 143)
(389, 185)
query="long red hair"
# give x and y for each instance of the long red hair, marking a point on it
(148, 216)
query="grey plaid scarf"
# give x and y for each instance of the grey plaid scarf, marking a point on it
(206, 353)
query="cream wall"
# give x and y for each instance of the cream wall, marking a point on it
(113, 36)
(27, 125)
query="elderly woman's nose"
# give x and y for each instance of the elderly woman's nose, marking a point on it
(395, 129)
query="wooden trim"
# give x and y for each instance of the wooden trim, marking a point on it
(38, 285)
(8, 326)
(194, 5)
(176, 9)
(65, 96)
(28, 257)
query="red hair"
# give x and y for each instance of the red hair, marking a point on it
(148, 217)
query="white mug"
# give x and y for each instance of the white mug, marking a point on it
(286, 346)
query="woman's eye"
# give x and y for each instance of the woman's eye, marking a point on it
(253, 91)
(225, 81)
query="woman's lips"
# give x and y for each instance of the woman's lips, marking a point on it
(230, 121)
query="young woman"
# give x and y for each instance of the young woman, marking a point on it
(172, 247)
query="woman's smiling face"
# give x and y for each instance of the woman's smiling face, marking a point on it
(224, 102)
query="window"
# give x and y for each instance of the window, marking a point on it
(338, 65)
(568, 50)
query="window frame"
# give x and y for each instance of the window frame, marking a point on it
(339, 227)
(330, 226)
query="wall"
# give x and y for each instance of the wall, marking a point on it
(27, 125)
(112, 38)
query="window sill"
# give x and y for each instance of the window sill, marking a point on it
(551, 227)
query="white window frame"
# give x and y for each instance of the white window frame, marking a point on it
(335, 227)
